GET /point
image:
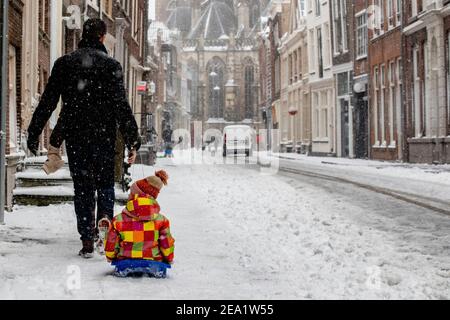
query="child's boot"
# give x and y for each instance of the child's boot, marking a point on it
(54, 161)
(103, 227)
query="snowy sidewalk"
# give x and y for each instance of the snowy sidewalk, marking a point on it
(241, 235)
(427, 183)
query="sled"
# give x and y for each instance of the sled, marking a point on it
(138, 267)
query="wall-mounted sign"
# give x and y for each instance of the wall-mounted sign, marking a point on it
(142, 87)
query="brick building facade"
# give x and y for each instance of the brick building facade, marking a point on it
(13, 97)
(38, 36)
(385, 51)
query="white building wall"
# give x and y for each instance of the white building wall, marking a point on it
(323, 101)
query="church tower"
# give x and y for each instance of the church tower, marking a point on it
(243, 14)
(161, 13)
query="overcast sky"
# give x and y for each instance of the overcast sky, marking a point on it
(151, 14)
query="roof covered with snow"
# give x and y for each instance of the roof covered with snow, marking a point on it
(180, 19)
(217, 20)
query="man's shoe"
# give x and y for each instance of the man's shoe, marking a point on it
(87, 251)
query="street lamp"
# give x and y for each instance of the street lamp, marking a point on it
(293, 110)
(152, 88)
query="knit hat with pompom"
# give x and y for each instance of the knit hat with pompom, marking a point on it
(153, 185)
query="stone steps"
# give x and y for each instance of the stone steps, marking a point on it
(35, 188)
(35, 178)
(38, 162)
(47, 195)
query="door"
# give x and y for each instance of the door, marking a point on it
(12, 93)
(361, 128)
(345, 151)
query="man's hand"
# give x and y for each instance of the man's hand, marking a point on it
(132, 156)
(33, 145)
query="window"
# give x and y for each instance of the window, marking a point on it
(399, 12)
(44, 9)
(391, 73)
(448, 83)
(216, 75)
(340, 26)
(295, 66)
(317, 8)
(320, 51)
(379, 17)
(254, 13)
(414, 8)
(326, 43)
(12, 92)
(301, 7)
(249, 94)
(290, 69)
(316, 106)
(361, 35)
(343, 84)
(375, 105)
(382, 103)
(391, 13)
(399, 89)
(126, 6)
(312, 52)
(392, 102)
(416, 109)
(135, 20)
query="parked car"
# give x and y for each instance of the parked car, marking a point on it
(237, 139)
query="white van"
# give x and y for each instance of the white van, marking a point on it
(237, 139)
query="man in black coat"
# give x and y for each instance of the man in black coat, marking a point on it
(91, 86)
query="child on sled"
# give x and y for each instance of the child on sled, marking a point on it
(141, 232)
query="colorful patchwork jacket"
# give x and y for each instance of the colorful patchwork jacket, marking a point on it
(140, 232)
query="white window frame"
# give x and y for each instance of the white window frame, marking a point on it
(391, 13)
(382, 103)
(375, 106)
(416, 99)
(414, 8)
(392, 102)
(342, 20)
(399, 6)
(364, 33)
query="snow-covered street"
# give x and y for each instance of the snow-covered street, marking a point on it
(241, 234)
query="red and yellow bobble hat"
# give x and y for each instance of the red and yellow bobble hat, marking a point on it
(153, 185)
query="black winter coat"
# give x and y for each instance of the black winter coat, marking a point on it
(94, 99)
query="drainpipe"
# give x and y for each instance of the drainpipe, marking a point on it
(4, 68)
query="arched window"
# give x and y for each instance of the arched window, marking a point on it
(216, 88)
(192, 87)
(249, 76)
(254, 13)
